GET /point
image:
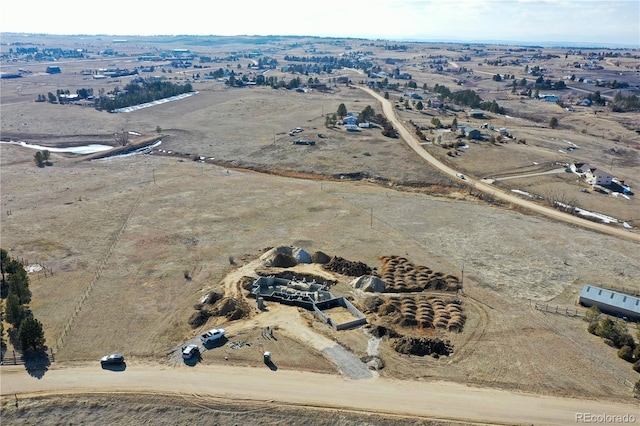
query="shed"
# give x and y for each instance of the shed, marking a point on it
(611, 302)
(53, 70)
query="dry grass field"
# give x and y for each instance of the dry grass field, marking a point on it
(121, 234)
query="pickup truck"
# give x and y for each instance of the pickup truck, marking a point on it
(213, 334)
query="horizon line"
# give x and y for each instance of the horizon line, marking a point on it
(406, 39)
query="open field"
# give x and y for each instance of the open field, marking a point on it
(135, 242)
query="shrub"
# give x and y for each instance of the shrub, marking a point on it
(626, 353)
(636, 353)
(592, 315)
(592, 328)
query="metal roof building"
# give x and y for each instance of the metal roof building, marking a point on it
(611, 302)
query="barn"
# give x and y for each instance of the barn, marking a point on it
(611, 302)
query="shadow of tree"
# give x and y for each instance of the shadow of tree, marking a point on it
(36, 362)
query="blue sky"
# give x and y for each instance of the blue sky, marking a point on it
(595, 22)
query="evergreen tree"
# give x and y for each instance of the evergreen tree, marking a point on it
(31, 334)
(14, 310)
(39, 159)
(342, 111)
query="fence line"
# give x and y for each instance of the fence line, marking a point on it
(17, 357)
(96, 277)
(556, 309)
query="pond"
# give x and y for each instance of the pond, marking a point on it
(83, 149)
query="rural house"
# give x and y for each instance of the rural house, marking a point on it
(470, 132)
(611, 302)
(595, 176)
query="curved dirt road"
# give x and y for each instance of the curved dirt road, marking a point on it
(436, 400)
(414, 144)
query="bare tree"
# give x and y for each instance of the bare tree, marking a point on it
(121, 138)
(560, 200)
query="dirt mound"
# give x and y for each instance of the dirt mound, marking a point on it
(320, 257)
(421, 346)
(347, 267)
(283, 260)
(381, 331)
(301, 255)
(369, 284)
(230, 308)
(212, 298)
(198, 318)
(403, 276)
(247, 283)
(370, 305)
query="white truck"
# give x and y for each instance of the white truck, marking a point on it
(211, 335)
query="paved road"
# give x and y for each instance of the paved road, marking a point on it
(414, 144)
(443, 400)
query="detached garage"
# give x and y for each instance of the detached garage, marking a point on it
(611, 302)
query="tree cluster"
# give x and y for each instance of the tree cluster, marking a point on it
(387, 128)
(623, 103)
(468, 98)
(15, 289)
(41, 158)
(616, 334)
(140, 92)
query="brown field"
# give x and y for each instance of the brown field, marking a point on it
(120, 234)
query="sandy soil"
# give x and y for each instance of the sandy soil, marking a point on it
(120, 234)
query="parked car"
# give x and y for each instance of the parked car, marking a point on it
(190, 351)
(213, 334)
(460, 175)
(113, 359)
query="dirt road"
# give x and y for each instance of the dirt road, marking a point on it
(442, 400)
(414, 144)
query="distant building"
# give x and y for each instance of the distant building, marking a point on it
(351, 127)
(476, 114)
(598, 177)
(550, 98)
(470, 132)
(53, 70)
(611, 302)
(350, 119)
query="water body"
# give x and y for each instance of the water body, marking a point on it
(83, 150)
(141, 150)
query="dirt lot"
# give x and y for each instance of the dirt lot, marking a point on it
(120, 234)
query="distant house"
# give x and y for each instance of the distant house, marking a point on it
(579, 167)
(343, 79)
(351, 127)
(550, 98)
(476, 114)
(53, 70)
(598, 177)
(350, 119)
(611, 302)
(585, 102)
(363, 125)
(470, 132)
(318, 86)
